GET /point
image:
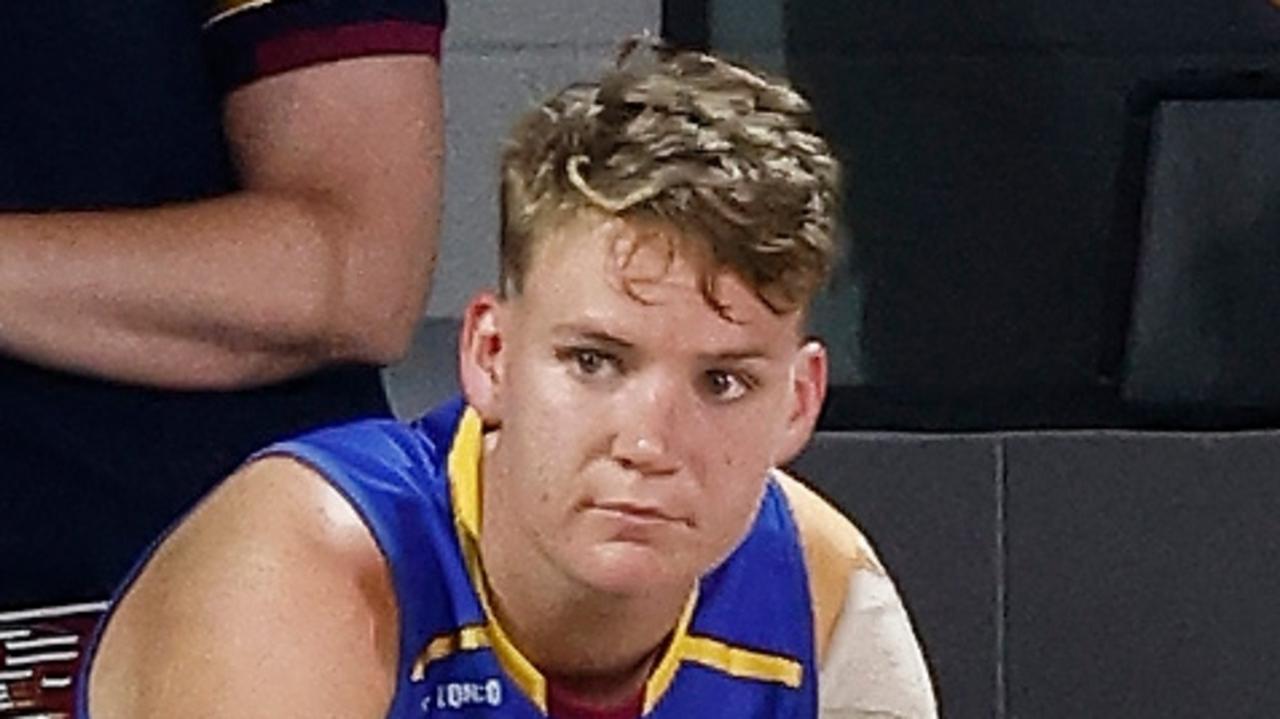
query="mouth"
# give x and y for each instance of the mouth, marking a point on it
(638, 513)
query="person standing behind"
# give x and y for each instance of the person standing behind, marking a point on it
(215, 222)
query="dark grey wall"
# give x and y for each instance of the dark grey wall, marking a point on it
(931, 506)
(1085, 574)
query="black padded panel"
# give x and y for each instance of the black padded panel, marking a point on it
(1142, 576)
(929, 506)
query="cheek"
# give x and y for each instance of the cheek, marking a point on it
(734, 485)
(536, 496)
(746, 443)
(535, 404)
(544, 428)
(735, 460)
(728, 516)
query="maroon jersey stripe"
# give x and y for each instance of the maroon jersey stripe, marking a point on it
(310, 46)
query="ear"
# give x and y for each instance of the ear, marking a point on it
(808, 390)
(480, 356)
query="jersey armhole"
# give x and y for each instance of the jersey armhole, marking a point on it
(834, 549)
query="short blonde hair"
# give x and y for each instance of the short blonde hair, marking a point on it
(729, 157)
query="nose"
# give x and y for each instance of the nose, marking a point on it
(647, 426)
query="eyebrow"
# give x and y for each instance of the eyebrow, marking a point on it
(737, 356)
(594, 334)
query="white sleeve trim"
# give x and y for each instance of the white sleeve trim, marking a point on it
(874, 668)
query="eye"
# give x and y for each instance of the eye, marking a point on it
(590, 362)
(727, 386)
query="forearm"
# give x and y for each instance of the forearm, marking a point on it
(225, 292)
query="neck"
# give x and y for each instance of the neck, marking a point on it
(600, 646)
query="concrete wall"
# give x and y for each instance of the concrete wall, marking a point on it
(500, 58)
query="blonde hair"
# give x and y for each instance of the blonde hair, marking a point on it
(727, 156)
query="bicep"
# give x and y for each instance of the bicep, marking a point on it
(360, 128)
(249, 609)
(358, 143)
(874, 665)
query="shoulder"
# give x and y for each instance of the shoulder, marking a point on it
(375, 447)
(834, 549)
(868, 652)
(272, 588)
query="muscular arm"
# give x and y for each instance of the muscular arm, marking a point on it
(325, 255)
(270, 601)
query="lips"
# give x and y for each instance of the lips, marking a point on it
(639, 512)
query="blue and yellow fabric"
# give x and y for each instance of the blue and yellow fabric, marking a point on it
(743, 648)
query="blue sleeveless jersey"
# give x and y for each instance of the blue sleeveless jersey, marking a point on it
(742, 649)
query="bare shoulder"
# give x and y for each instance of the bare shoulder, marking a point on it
(834, 549)
(270, 600)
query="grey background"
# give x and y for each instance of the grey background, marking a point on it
(500, 58)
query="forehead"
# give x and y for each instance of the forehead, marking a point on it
(645, 272)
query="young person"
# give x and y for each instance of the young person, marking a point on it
(599, 529)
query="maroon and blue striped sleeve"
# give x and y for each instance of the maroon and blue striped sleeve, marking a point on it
(249, 39)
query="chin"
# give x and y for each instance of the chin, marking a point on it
(629, 569)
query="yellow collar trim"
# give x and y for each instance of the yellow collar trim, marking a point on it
(465, 491)
(464, 472)
(665, 671)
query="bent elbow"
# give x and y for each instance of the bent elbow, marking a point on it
(380, 296)
(380, 332)
(386, 344)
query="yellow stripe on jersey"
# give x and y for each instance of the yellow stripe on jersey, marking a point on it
(465, 639)
(665, 671)
(223, 9)
(740, 662)
(520, 669)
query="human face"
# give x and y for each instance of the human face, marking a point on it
(635, 422)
